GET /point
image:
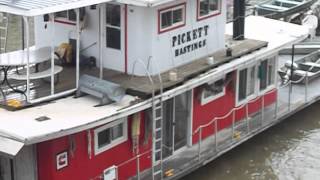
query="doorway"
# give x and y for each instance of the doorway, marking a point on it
(113, 36)
(176, 123)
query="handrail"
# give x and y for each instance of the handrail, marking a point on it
(137, 157)
(231, 111)
(134, 158)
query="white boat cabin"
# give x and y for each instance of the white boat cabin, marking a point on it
(103, 38)
(162, 37)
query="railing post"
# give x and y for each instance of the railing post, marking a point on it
(289, 96)
(26, 22)
(233, 121)
(52, 54)
(276, 106)
(216, 134)
(247, 118)
(306, 88)
(262, 110)
(138, 166)
(199, 148)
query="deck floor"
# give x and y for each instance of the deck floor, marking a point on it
(135, 85)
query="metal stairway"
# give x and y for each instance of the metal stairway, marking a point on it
(4, 23)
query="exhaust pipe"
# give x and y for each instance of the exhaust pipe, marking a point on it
(239, 13)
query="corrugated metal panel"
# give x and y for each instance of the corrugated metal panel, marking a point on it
(40, 7)
(35, 4)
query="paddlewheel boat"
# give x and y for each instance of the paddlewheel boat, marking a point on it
(133, 89)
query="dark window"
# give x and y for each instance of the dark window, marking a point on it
(267, 73)
(104, 138)
(109, 135)
(214, 89)
(113, 26)
(113, 15)
(251, 81)
(113, 38)
(62, 14)
(166, 19)
(117, 131)
(263, 74)
(177, 16)
(242, 93)
(208, 7)
(173, 17)
(71, 15)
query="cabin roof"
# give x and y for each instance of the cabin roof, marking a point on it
(70, 115)
(41, 7)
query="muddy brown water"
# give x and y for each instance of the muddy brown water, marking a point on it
(287, 151)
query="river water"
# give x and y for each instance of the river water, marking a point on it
(287, 151)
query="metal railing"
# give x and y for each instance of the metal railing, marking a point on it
(215, 122)
(137, 158)
(259, 116)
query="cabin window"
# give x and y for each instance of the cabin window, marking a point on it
(267, 73)
(208, 8)
(69, 16)
(212, 91)
(113, 26)
(110, 135)
(246, 83)
(171, 18)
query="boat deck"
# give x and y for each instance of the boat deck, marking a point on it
(142, 87)
(135, 85)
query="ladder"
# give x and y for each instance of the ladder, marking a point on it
(157, 121)
(4, 23)
(157, 114)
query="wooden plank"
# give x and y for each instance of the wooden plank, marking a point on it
(140, 86)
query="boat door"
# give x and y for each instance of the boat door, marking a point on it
(176, 123)
(113, 36)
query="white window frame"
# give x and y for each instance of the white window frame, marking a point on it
(271, 86)
(107, 25)
(115, 142)
(206, 100)
(256, 86)
(210, 14)
(175, 25)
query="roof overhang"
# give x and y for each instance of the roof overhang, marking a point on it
(9, 147)
(40, 7)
